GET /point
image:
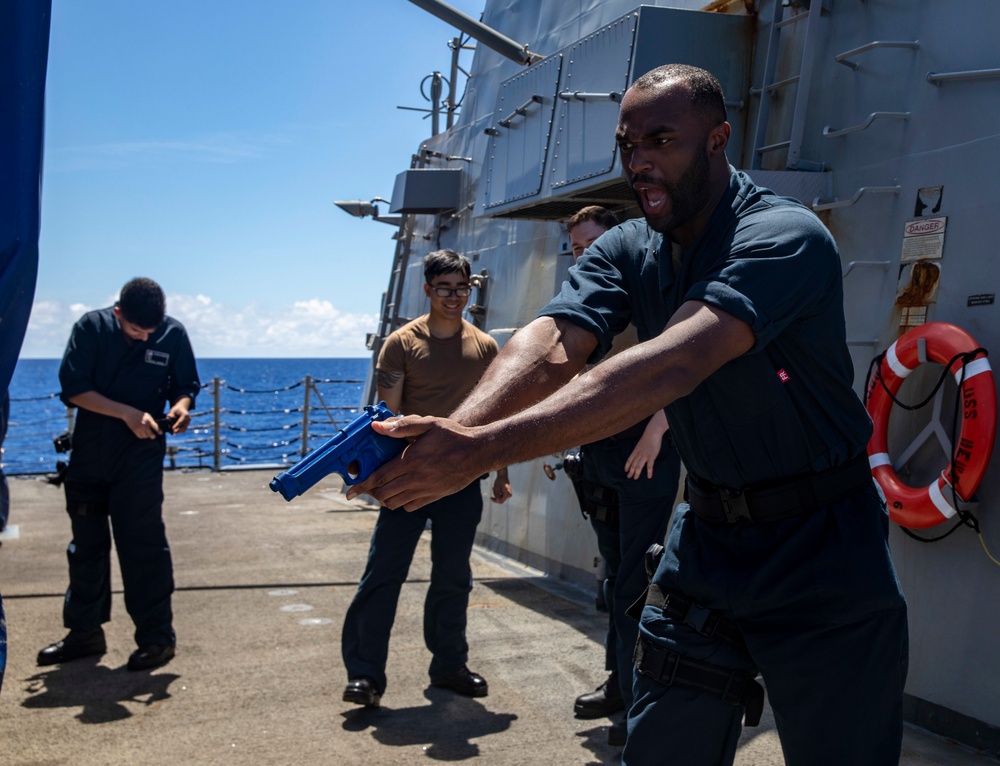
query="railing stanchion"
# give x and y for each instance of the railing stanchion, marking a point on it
(217, 416)
(305, 418)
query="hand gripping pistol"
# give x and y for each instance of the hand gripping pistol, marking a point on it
(353, 452)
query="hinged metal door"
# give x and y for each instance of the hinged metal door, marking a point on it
(595, 78)
(519, 137)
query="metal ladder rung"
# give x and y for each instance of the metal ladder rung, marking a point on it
(792, 19)
(774, 147)
(782, 83)
(768, 88)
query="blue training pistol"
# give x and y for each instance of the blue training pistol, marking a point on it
(353, 452)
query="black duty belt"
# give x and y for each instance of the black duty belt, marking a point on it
(672, 669)
(770, 502)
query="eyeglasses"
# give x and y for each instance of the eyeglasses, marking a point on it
(447, 292)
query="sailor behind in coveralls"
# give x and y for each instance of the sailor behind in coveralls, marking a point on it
(779, 563)
(627, 488)
(122, 366)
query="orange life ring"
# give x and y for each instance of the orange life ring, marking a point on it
(924, 507)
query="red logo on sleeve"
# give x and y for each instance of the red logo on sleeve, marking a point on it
(783, 376)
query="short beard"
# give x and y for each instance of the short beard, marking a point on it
(687, 196)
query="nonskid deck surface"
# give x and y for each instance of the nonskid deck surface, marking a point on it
(262, 586)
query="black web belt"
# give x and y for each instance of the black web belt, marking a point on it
(679, 607)
(721, 505)
(672, 669)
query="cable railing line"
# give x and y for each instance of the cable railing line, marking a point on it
(280, 434)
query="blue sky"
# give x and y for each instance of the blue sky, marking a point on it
(202, 144)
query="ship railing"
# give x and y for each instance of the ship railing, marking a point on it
(243, 428)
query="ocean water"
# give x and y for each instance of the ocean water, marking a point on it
(260, 412)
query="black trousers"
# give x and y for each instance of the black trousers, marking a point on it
(816, 599)
(114, 486)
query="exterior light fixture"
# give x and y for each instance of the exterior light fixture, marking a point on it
(364, 209)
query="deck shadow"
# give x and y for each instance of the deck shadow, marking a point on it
(99, 690)
(445, 728)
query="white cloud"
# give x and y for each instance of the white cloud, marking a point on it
(224, 148)
(48, 328)
(307, 328)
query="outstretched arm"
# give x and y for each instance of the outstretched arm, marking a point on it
(537, 360)
(446, 455)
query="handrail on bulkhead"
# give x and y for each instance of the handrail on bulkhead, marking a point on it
(936, 78)
(521, 110)
(580, 95)
(821, 204)
(884, 265)
(829, 132)
(842, 58)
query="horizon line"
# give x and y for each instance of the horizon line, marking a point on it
(197, 357)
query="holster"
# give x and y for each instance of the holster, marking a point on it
(597, 501)
(672, 669)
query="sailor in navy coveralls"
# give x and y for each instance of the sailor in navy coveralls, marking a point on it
(779, 563)
(122, 367)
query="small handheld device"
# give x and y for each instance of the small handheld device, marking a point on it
(166, 424)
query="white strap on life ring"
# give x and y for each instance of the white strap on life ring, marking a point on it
(941, 343)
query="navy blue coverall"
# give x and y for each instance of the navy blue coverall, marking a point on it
(814, 597)
(113, 475)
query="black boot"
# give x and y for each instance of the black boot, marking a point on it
(150, 656)
(607, 699)
(361, 691)
(76, 644)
